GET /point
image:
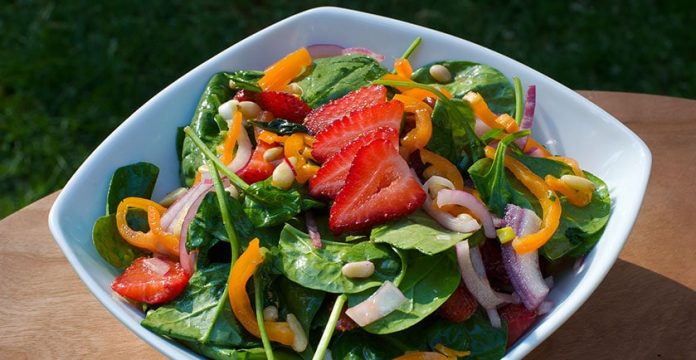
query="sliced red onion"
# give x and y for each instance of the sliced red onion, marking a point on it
(481, 128)
(494, 317)
(380, 304)
(243, 153)
(318, 51)
(188, 260)
(523, 269)
(549, 281)
(156, 265)
(363, 51)
(545, 308)
(463, 198)
(463, 223)
(476, 281)
(498, 222)
(179, 208)
(528, 118)
(313, 230)
(535, 152)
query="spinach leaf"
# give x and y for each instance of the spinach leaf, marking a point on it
(110, 245)
(359, 345)
(428, 283)
(223, 353)
(267, 205)
(331, 78)
(132, 180)
(475, 334)
(281, 126)
(202, 313)
(304, 303)
(320, 269)
(467, 76)
(206, 124)
(418, 231)
(453, 133)
(245, 80)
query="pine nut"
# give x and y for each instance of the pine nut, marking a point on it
(358, 269)
(172, 196)
(283, 176)
(294, 89)
(440, 73)
(300, 342)
(249, 109)
(270, 313)
(273, 153)
(578, 183)
(232, 191)
(226, 110)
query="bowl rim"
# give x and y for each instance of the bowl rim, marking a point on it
(541, 331)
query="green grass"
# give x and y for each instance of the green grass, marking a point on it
(71, 71)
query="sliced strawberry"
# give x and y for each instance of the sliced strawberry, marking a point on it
(332, 139)
(257, 169)
(519, 320)
(331, 177)
(379, 187)
(495, 269)
(460, 306)
(283, 105)
(323, 116)
(345, 323)
(151, 280)
(246, 95)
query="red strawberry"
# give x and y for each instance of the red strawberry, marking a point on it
(246, 95)
(460, 306)
(519, 320)
(345, 323)
(323, 116)
(495, 269)
(257, 168)
(379, 187)
(284, 105)
(332, 139)
(151, 280)
(331, 177)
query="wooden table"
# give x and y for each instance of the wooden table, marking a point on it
(645, 308)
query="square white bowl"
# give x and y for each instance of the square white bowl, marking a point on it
(565, 121)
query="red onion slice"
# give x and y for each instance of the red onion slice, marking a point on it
(318, 51)
(476, 281)
(363, 51)
(481, 128)
(523, 270)
(313, 230)
(243, 154)
(178, 209)
(464, 224)
(380, 304)
(156, 265)
(528, 118)
(463, 198)
(188, 260)
(536, 152)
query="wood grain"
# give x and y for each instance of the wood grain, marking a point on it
(644, 309)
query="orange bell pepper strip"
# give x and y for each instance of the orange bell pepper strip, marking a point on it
(241, 272)
(419, 136)
(572, 163)
(296, 146)
(531, 143)
(451, 353)
(419, 94)
(156, 239)
(508, 123)
(403, 68)
(422, 355)
(579, 198)
(397, 77)
(441, 167)
(270, 138)
(481, 109)
(277, 76)
(550, 205)
(227, 148)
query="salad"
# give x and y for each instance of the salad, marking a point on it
(332, 207)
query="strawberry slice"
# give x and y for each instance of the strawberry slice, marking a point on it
(519, 320)
(323, 116)
(283, 105)
(332, 139)
(257, 169)
(246, 95)
(379, 187)
(460, 306)
(331, 177)
(152, 280)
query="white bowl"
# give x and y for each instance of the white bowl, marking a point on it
(565, 121)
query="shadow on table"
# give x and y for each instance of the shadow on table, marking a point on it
(634, 314)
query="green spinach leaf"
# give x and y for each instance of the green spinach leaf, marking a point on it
(111, 246)
(304, 303)
(132, 180)
(453, 133)
(331, 78)
(268, 206)
(281, 126)
(467, 76)
(206, 124)
(428, 283)
(359, 345)
(475, 334)
(320, 269)
(202, 313)
(245, 80)
(418, 231)
(223, 353)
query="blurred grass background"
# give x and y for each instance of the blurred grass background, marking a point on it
(71, 71)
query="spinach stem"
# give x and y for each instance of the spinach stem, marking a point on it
(226, 221)
(258, 303)
(218, 311)
(234, 178)
(413, 84)
(411, 48)
(519, 100)
(330, 326)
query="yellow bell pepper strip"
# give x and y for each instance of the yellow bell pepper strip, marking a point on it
(198, 177)
(419, 94)
(550, 205)
(296, 146)
(396, 77)
(227, 148)
(481, 109)
(242, 270)
(508, 123)
(419, 136)
(451, 353)
(270, 138)
(441, 167)
(422, 355)
(277, 76)
(293, 145)
(531, 143)
(156, 239)
(572, 163)
(403, 68)
(579, 198)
